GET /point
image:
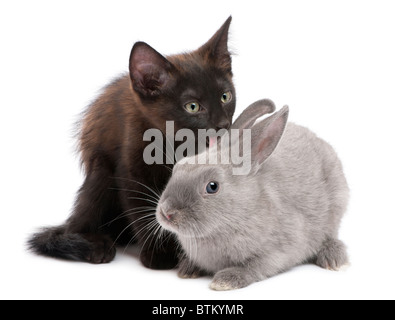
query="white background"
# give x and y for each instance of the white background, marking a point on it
(332, 62)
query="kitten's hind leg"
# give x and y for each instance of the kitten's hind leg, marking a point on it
(332, 255)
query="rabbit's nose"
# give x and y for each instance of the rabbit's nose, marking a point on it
(169, 215)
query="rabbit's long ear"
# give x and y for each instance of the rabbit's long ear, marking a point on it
(266, 135)
(256, 110)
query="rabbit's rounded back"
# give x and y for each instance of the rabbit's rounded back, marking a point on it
(308, 175)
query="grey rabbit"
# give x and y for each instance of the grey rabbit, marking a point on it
(246, 228)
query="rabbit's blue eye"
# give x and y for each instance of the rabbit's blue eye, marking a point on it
(212, 187)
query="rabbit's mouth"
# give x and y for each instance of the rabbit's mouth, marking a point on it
(167, 219)
(173, 221)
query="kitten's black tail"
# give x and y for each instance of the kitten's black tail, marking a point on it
(54, 242)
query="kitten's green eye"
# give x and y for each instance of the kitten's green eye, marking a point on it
(226, 97)
(192, 107)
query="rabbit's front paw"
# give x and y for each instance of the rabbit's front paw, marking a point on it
(332, 255)
(230, 279)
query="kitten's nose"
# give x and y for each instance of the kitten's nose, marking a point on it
(224, 124)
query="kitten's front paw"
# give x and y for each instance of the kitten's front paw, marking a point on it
(161, 257)
(102, 249)
(158, 260)
(229, 279)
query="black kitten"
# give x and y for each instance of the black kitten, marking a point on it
(116, 200)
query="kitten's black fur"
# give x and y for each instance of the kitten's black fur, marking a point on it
(107, 207)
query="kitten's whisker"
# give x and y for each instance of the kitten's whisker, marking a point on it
(140, 211)
(126, 213)
(156, 187)
(158, 238)
(148, 200)
(165, 153)
(141, 230)
(151, 227)
(140, 208)
(170, 170)
(141, 184)
(129, 225)
(136, 191)
(173, 149)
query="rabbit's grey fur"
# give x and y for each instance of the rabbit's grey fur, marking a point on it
(285, 212)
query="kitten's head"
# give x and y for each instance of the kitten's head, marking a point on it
(195, 90)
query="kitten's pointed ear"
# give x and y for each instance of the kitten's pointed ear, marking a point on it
(150, 72)
(266, 135)
(216, 49)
